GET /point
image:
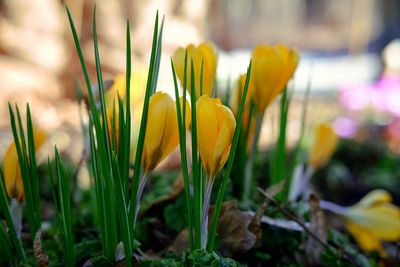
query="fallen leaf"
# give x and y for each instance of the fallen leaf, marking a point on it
(233, 230)
(181, 242)
(42, 259)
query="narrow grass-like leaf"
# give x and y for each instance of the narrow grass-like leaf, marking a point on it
(157, 58)
(6, 243)
(300, 141)
(142, 132)
(195, 163)
(99, 188)
(127, 132)
(33, 168)
(182, 141)
(4, 205)
(220, 197)
(280, 157)
(122, 211)
(23, 164)
(65, 222)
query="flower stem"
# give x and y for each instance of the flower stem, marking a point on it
(142, 183)
(204, 215)
(248, 175)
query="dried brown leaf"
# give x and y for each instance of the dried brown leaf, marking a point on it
(181, 242)
(42, 259)
(317, 226)
(233, 229)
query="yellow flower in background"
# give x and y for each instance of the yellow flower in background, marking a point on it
(11, 169)
(162, 133)
(272, 67)
(373, 219)
(208, 54)
(237, 96)
(215, 128)
(110, 114)
(324, 145)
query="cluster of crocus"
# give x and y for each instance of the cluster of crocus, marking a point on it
(12, 172)
(372, 219)
(204, 58)
(213, 129)
(325, 143)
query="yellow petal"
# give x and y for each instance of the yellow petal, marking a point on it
(162, 135)
(324, 145)
(267, 69)
(215, 128)
(206, 53)
(272, 67)
(207, 130)
(12, 175)
(366, 240)
(382, 219)
(11, 169)
(374, 197)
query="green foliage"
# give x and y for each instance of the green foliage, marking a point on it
(62, 202)
(196, 258)
(174, 211)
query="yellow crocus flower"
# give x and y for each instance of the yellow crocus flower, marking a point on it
(162, 134)
(238, 94)
(215, 128)
(324, 145)
(208, 54)
(373, 219)
(11, 170)
(272, 67)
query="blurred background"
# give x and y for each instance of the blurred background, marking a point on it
(350, 58)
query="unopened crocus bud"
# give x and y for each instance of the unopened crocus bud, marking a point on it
(162, 133)
(208, 54)
(215, 129)
(324, 145)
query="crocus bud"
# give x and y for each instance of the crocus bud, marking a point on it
(208, 54)
(11, 169)
(324, 145)
(215, 128)
(373, 219)
(162, 133)
(272, 67)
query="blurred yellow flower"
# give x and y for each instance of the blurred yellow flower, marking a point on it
(215, 128)
(324, 145)
(162, 134)
(238, 93)
(272, 67)
(11, 170)
(110, 114)
(246, 112)
(208, 54)
(373, 219)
